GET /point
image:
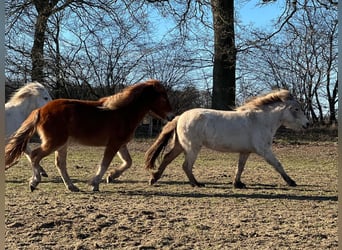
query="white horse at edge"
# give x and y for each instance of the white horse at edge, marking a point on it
(27, 98)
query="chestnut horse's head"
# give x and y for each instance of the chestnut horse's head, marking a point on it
(160, 106)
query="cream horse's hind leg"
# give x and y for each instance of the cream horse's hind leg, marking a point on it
(190, 158)
(126, 164)
(168, 158)
(60, 161)
(241, 165)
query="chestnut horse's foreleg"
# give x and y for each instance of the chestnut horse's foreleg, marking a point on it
(241, 165)
(60, 162)
(126, 164)
(107, 158)
(168, 158)
(271, 159)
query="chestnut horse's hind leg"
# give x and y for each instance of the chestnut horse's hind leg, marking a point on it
(107, 158)
(126, 164)
(36, 156)
(60, 162)
(241, 165)
(27, 153)
(168, 158)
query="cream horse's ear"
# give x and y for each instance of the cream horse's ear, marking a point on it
(291, 97)
(285, 95)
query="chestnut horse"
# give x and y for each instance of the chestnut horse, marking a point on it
(110, 122)
(248, 129)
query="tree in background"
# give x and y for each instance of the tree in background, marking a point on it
(101, 47)
(302, 57)
(223, 94)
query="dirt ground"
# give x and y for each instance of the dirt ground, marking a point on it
(130, 214)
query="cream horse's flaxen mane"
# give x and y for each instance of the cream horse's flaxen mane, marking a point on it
(127, 95)
(30, 89)
(268, 99)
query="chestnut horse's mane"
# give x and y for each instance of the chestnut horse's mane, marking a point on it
(127, 95)
(268, 99)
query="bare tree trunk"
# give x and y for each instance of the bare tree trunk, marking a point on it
(332, 99)
(44, 11)
(224, 55)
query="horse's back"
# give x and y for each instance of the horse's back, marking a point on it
(85, 122)
(218, 130)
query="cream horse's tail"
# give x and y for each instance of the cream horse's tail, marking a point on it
(160, 143)
(17, 143)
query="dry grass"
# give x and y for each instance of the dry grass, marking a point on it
(130, 214)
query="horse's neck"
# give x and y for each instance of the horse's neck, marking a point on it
(274, 119)
(268, 121)
(139, 112)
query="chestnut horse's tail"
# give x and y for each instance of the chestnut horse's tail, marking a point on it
(17, 142)
(160, 144)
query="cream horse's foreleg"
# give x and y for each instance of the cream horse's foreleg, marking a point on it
(60, 162)
(271, 159)
(168, 158)
(241, 165)
(126, 164)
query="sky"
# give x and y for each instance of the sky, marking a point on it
(251, 12)
(248, 12)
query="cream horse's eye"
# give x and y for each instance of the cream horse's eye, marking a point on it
(295, 109)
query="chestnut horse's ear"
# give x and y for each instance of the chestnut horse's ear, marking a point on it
(153, 82)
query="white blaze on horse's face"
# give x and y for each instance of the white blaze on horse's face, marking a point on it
(294, 116)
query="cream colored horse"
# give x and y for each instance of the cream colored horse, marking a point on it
(27, 98)
(248, 129)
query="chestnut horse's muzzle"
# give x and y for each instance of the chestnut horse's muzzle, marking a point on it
(169, 116)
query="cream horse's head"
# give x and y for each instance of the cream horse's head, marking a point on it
(293, 116)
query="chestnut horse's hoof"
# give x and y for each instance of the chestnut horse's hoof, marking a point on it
(152, 181)
(109, 179)
(33, 185)
(239, 184)
(44, 174)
